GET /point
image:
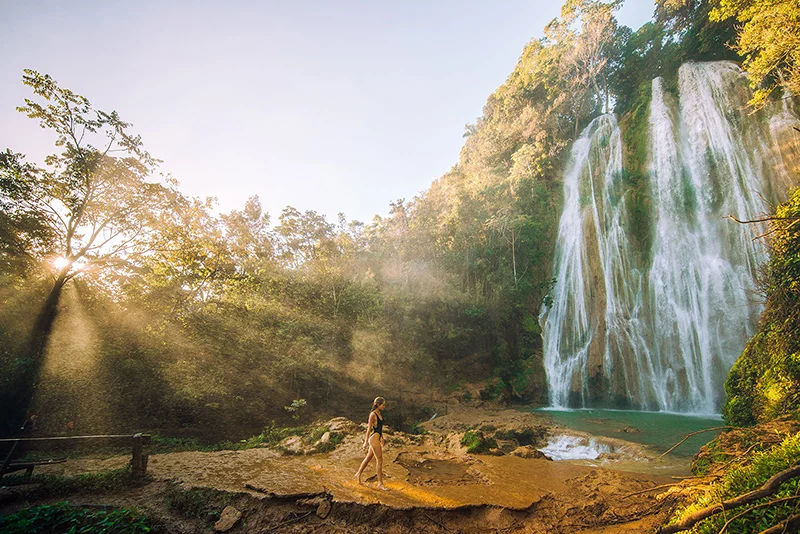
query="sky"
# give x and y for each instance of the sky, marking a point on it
(332, 106)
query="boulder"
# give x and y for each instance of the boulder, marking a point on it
(324, 509)
(293, 445)
(227, 519)
(527, 451)
(341, 424)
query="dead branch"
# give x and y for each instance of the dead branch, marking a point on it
(693, 434)
(770, 486)
(762, 219)
(786, 526)
(762, 505)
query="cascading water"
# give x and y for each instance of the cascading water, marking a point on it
(595, 307)
(660, 330)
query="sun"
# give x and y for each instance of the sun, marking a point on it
(61, 262)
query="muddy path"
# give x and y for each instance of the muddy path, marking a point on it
(431, 481)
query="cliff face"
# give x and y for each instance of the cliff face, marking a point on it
(653, 316)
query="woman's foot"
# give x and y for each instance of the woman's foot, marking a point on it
(357, 476)
(382, 487)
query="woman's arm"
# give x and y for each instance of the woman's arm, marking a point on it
(370, 424)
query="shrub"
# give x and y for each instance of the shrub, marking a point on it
(476, 442)
(63, 517)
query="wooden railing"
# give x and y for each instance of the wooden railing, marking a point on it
(135, 441)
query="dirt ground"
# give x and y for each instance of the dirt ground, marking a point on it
(433, 485)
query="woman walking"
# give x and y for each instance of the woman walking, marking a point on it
(374, 441)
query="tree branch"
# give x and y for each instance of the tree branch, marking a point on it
(764, 219)
(693, 434)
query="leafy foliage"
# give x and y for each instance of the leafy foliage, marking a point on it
(476, 442)
(748, 478)
(769, 41)
(764, 383)
(62, 517)
(210, 324)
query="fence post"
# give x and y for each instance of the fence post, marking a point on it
(139, 459)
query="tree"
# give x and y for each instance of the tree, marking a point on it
(248, 236)
(95, 201)
(584, 35)
(769, 40)
(302, 236)
(23, 236)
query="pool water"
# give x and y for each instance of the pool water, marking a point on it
(658, 430)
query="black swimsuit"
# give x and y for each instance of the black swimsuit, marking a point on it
(378, 429)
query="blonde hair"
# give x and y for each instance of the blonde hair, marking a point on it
(377, 402)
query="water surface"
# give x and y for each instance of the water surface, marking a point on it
(659, 430)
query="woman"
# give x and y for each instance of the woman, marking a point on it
(374, 440)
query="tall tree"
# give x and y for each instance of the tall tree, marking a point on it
(95, 199)
(769, 40)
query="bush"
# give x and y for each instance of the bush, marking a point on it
(476, 442)
(197, 503)
(745, 479)
(63, 517)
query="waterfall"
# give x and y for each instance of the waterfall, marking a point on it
(660, 330)
(599, 291)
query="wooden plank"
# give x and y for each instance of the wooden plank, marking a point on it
(138, 460)
(38, 462)
(83, 439)
(79, 441)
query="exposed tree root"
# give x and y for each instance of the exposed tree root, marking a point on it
(785, 527)
(763, 505)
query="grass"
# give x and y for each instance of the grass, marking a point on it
(270, 437)
(197, 503)
(57, 485)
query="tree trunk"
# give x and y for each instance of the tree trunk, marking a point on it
(514, 255)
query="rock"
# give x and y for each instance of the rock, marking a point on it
(341, 424)
(323, 505)
(326, 437)
(293, 445)
(324, 509)
(19, 492)
(631, 430)
(529, 452)
(524, 434)
(227, 519)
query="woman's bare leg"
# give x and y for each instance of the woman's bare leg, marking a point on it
(364, 464)
(375, 446)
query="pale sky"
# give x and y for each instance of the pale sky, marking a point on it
(332, 106)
